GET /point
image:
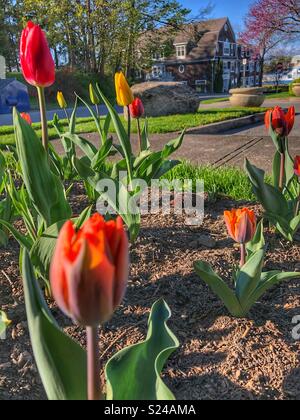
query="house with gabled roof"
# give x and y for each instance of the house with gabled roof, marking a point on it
(200, 51)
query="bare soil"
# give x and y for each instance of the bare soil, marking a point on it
(220, 358)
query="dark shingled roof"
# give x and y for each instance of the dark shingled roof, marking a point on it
(190, 31)
(202, 38)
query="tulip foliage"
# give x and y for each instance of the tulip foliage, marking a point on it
(127, 173)
(249, 280)
(280, 200)
(133, 374)
(4, 323)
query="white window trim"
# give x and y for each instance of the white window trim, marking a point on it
(181, 50)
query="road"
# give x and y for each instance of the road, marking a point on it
(231, 146)
(82, 112)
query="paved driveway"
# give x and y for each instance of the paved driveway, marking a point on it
(82, 112)
(252, 142)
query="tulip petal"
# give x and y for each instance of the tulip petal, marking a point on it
(59, 284)
(91, 290)
(36, 60)
(122, 264)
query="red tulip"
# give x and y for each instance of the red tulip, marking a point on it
(26, 117)
(137, 109)
(282, 123)
(297, 166)
(241, 225)
(36, 60)
(89, 270)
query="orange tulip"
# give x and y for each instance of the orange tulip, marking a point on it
(26, 117)
(241, 225)
(282, 123)
(124, 93)
(89, 270)
(297, 166)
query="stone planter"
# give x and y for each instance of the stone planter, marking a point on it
(296, 89)
(247, 97)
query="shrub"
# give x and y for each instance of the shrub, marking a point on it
(291, 86)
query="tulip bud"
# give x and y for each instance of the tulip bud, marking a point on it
(36, 60)
(61, 100)
(137, 109)
(89, 270)
(297, 166)
(282, 123)
(241, 225)
(26, 117)
(93, 95)
(124, 93)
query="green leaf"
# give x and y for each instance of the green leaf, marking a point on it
(72, 126)
(95, 118)
(258, 242)
(61, 362)
(268, 280)
(44, 188)
(134, 373)
(220, 288)
(120, 130)
(102, 154)
(172, 146)
(88, 148)
(282, 225)
(4, 323)
(21, 239)
(43, 249)
(276, 169)
(271, 198)
(249, 276)
(145, 137)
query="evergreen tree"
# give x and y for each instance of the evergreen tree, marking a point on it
(218, 82)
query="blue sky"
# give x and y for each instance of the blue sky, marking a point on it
(234, 9)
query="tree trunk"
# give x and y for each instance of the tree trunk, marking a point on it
(261, 73)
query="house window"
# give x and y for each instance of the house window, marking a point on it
(181, 51)
(158, 56)
(181, 69)
(226, 50)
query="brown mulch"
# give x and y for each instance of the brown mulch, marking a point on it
(220, 357)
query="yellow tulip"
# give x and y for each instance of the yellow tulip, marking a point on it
(93, 95)
(61, 100)
(124, 93)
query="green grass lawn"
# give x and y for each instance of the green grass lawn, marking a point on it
(158, 125)
(280, 95)
(214, 101)
(226, 181)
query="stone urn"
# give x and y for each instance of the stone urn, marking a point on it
(247, 97)
(296, 89)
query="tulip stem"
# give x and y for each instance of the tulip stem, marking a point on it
(67, 115)
(282, 171)
(94, 385)
(129, 122)
(139, 134)
(243, 255)
(44, 122)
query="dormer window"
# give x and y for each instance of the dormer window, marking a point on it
(227, 48)
(181, 51)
